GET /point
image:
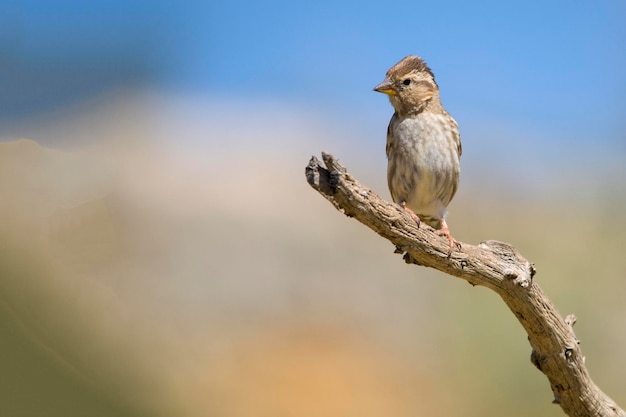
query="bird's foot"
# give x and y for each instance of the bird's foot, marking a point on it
(411, 213)
(444, 231)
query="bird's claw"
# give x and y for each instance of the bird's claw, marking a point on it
(411, 213)
(445, 232)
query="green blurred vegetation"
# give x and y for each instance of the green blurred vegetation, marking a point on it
(37, 382)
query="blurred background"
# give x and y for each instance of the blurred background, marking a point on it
(161, 253)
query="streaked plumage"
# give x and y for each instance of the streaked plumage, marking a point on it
(423, 144)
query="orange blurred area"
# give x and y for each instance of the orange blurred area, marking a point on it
(163, 260)
(309, 370)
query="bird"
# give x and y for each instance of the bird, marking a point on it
(423, 145)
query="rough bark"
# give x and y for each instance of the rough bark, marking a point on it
(495, 265)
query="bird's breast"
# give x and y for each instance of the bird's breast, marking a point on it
(430, 138)
(423, 161)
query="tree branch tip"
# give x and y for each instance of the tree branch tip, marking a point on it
(332, 163)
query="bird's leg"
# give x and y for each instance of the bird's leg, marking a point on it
(411, 213)
(444, 231)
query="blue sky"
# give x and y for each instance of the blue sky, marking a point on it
(555, 65)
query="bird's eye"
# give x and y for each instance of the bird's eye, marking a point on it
(406, 82)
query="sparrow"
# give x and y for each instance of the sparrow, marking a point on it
(423, 145)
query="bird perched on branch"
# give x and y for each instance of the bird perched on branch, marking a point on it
(423, 145)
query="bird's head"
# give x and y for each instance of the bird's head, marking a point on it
(410, 85)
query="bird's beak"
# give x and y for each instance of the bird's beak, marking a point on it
(386, 87)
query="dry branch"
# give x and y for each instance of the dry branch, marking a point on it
(495, 265)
